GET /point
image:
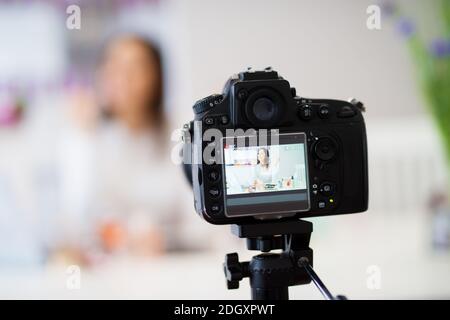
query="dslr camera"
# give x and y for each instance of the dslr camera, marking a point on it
(260, 152)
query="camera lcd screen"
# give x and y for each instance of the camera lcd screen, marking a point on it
(266, 178)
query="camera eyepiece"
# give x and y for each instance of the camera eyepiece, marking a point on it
(264, 107)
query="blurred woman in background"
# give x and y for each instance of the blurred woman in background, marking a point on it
(131, 84)
(118, 180)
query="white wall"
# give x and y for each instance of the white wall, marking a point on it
(322, 47)
(32, 44)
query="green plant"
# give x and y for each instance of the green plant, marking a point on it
(433, 66)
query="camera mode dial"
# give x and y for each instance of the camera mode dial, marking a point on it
(207, 103)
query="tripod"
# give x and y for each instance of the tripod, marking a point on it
(271, 274)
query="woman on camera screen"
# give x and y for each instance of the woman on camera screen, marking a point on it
(263, 171)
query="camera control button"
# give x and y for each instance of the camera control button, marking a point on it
(224, 120)
(293, 92)
(324, 112)
(216, 208)
(213, 176)
(214, 192)
(358, 104)
(346, 112)
(209, 121)
(327, 189)
(321, 204)
(305, 112)
(325, 149)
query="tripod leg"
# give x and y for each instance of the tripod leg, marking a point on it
(315, 278)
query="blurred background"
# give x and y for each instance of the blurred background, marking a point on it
(91, 205)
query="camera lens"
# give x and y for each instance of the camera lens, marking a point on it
(264, 109)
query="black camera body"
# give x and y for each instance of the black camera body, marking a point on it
(313, 164)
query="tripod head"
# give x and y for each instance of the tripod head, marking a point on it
(271, 274)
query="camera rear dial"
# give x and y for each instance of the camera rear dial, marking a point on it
(325, 149)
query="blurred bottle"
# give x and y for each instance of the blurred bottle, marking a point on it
(440, 222)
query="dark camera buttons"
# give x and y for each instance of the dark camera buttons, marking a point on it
(305, 112)
(346, 112)
(214, 192)
(321, 204)
(224, 120)
(325, 149)
(327, 188)
(324, 111)
(213, 176)
(209, 121)
(242, 94)
(314, 187)
(215, 208)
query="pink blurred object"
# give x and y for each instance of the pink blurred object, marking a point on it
(10, 114)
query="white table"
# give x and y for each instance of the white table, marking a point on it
(344, 248)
